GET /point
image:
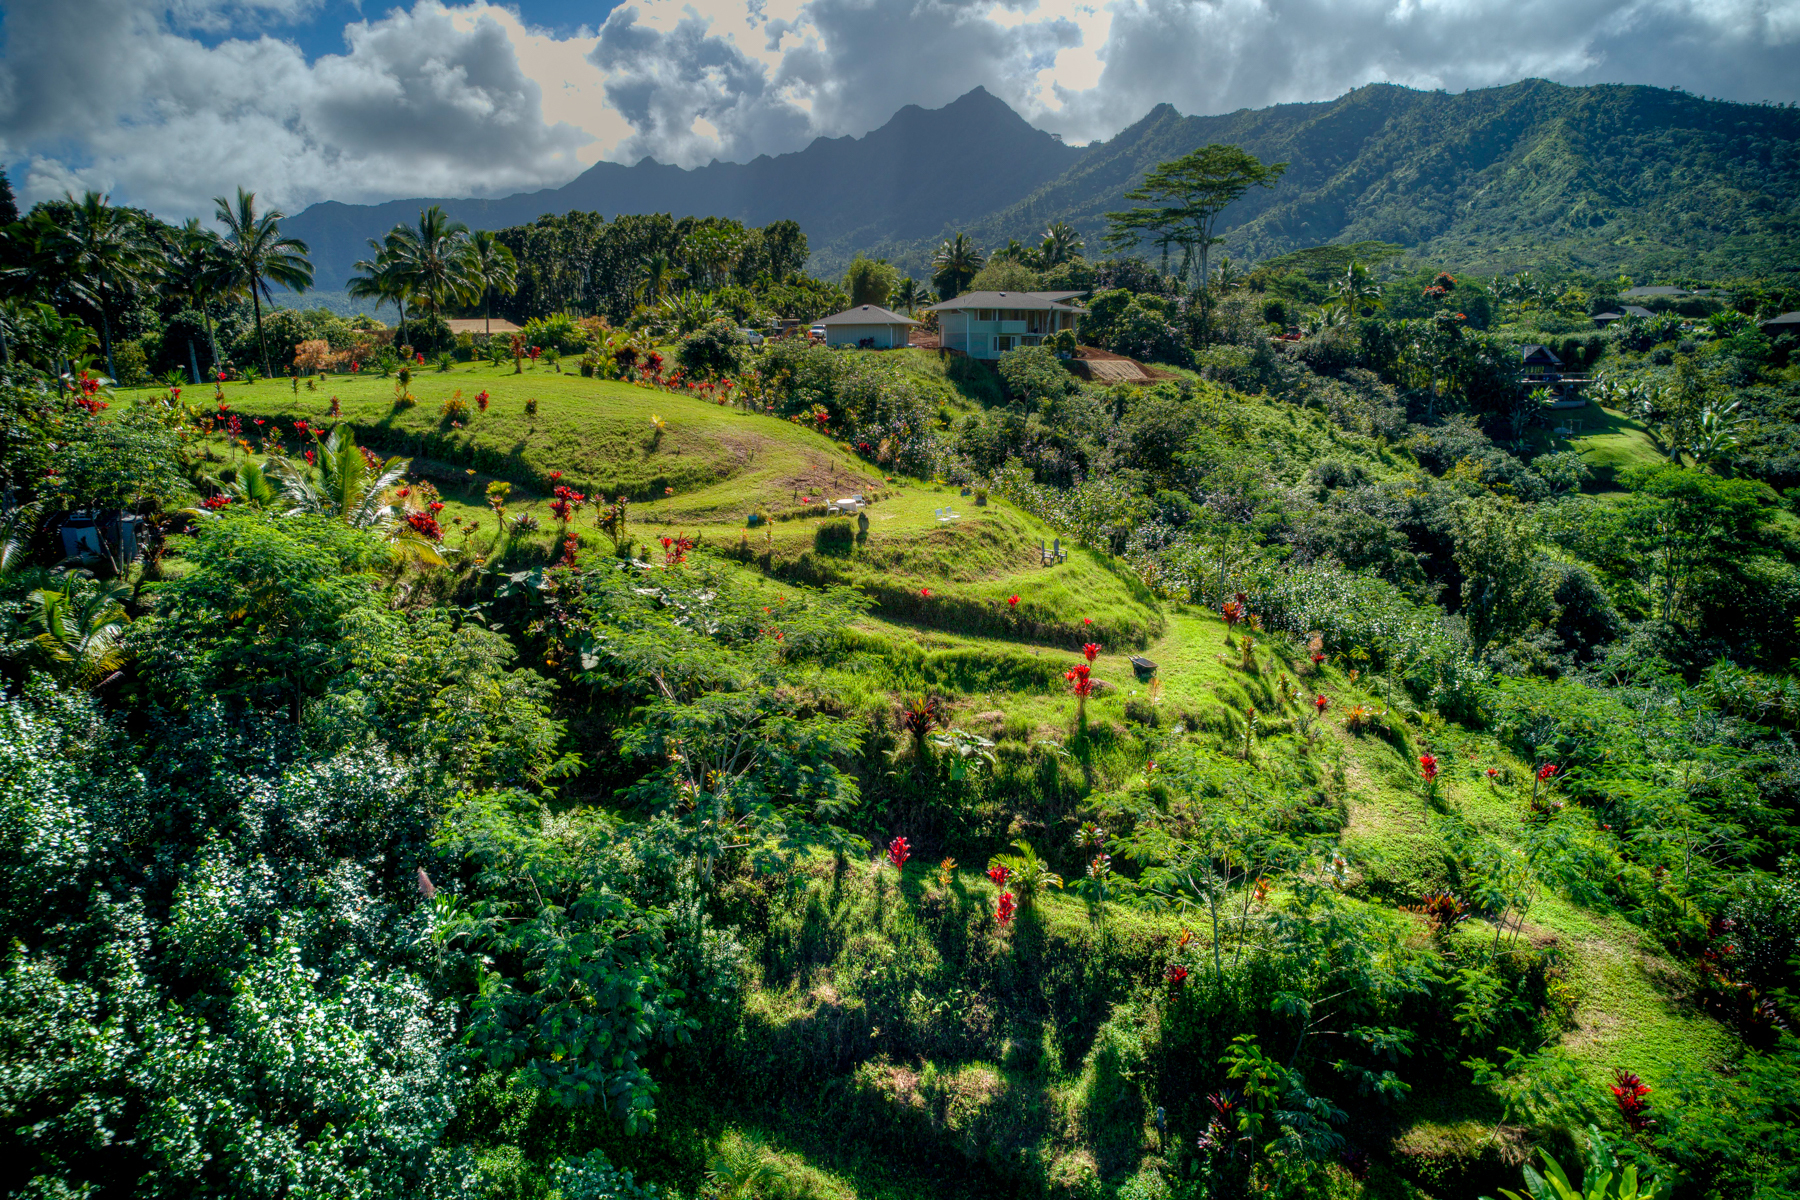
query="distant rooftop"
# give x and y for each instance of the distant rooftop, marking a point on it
(1036, 301)
(866, 314)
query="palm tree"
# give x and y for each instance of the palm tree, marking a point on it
(193, 265)
(98, 251)
(1355, 289)
(660, 273)
(435, 260)
(492, 268)
(354, 491)
(1061, 244)
(910, 294)
(383, 280)
(955, 263)
(80, 624)
(256, 254)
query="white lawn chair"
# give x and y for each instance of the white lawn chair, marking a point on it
(945, 516)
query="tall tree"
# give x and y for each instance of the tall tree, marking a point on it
(492, 268)
(955, 263)
(99, 252)
(435, 258)
(1181, 201)
(660, 274)
(1061, 244)
(9, 206)
(382, 278)
(257, 254)
(194, 266)
(1355, 289)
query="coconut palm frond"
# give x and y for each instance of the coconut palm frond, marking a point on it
(80, 625)
(16, 528)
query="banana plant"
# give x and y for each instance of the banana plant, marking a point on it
(1716, 435)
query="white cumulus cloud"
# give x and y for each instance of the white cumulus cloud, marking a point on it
(169, 103)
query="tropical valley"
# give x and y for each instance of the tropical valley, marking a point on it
(1255, 657)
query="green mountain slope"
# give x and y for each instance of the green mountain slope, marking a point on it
(1535, 173)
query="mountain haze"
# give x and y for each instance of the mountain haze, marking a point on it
(1607, 177)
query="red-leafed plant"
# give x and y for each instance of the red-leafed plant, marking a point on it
(1091, 651)
(1629, 1094)
(1081, 681)
(1175, 976)
(1004, 911)
(998, 874)
(898, 851)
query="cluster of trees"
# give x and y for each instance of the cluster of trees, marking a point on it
(93, 261)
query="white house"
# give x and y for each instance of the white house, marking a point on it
(869, 326)
(988, 324)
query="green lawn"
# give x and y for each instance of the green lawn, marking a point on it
(1609, 442)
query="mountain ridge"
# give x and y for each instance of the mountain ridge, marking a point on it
(1534, 173)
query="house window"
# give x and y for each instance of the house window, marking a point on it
(1004, 342)
(1034, 339)
(984, 314)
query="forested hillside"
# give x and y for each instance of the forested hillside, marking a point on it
(1533, 175)
(1351, 760)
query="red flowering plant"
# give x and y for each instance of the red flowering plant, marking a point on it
(676, 549)
(1541, 799)
(1013, 601)
(998, 873)
(1091, 651)
(426, 526)
(481, 400)
(215, 503)
(1629, 1094)
(1320, 704)
(1006, 910)
(1428, 768)
(898, 851)
(567, 503)
(1081, 682)
(1175, 976)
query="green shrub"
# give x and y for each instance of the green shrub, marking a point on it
(131, 367)
(715, 349)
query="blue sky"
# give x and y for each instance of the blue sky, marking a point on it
(166, 103)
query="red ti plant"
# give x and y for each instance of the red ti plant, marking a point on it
(998, 874)
(481, 399)
(1091, 650)
(1545, 774)
(1003, 913)
(1012, 601)
(1081, 682)
(1628, 1093)
(1175, 976)
(1320, 704)
(675, 549)
(898, 851)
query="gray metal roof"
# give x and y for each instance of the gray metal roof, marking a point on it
(866, 314)
(1535, 353)
(1785, 320)
(1035, 301)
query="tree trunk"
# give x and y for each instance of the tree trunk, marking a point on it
(261, 345)
(193, 362)
(487, 313)
(106, 339)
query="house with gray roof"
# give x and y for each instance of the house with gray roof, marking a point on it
(988, 324)
(868, 326)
